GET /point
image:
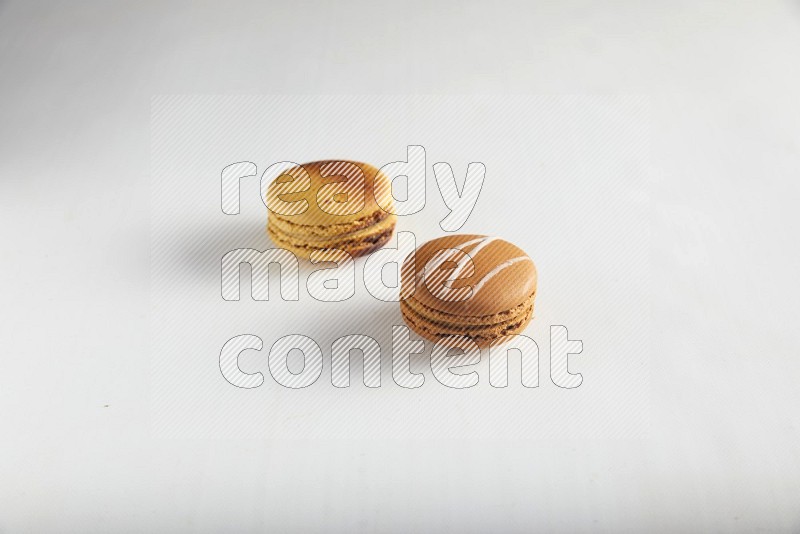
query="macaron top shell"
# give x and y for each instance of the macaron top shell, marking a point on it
(469, 275)
(329, 192)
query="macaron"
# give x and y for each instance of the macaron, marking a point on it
(331, 204)
(468, 285)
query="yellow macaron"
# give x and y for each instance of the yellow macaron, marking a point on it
(331, 204)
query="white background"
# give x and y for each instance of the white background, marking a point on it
(77, 451)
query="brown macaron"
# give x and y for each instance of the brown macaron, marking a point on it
(330, 204)
(468, 285)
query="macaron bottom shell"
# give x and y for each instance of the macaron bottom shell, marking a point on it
(434, 325)
(302, 241)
